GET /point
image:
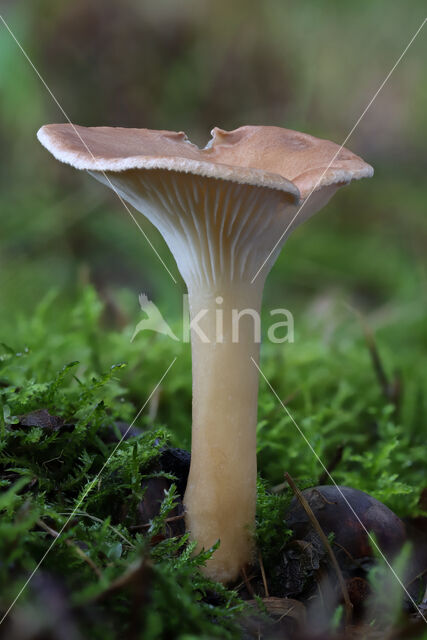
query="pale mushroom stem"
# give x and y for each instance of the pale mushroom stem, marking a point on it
(221, 492)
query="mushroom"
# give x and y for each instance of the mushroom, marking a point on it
(225, 211)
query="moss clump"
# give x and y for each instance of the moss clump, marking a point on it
(61, 471)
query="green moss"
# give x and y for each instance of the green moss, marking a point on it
(58, 475)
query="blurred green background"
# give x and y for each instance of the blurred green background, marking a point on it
(190, 66)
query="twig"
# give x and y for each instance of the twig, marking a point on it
(137, 581)
(322, 497)
(391, 390)
(264, 577)
(148, 524)
(315, 523)
(417, 577)
(332, 465)
(375, 357)
(95, 519)
(134, 574)
(247, 582)
(72, 545)
(46, 462)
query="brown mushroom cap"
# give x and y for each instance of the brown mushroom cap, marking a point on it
(263, 156)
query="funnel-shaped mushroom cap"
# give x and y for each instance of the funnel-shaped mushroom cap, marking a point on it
(225, 212)
(241, 190)
(262, 156)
